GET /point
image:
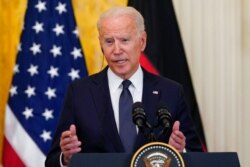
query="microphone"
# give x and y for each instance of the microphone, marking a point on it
(164, 118)
(138, 114)
(139, 118)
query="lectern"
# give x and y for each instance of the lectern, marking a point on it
(191, 159)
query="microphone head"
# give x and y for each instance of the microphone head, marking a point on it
(137, 105)
(138, 114)
(164, 116)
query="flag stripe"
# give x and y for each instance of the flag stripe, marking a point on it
(10, 158)
(145, 62)
(15, 135)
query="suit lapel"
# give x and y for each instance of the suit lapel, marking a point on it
(150, 100)
(105, 111)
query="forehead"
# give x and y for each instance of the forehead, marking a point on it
(119, 24)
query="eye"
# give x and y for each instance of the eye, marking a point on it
(109, 41)
(124, 40)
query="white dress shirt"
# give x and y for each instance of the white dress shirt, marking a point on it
(115, 89)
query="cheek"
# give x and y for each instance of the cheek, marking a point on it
(137, 49)
(107, 57)
(107, 52)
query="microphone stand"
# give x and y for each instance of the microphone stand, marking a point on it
(147, 132)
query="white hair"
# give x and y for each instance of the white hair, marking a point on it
(121, 11)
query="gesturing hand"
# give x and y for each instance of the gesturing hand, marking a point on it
(69, 144)
(177, 138)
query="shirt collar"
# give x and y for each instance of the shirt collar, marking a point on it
(115, 81)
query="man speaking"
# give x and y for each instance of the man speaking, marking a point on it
(97, 111)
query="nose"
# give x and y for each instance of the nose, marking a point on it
(117, 48)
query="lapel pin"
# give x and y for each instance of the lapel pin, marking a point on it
(155, 92)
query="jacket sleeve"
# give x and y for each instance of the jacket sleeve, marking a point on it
(66, 119)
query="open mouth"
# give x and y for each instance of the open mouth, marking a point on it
(121, 61)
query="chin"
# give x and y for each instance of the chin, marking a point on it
(121, 71)
(122, 74)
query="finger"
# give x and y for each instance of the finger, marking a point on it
(75, 150)
(179, 140)
(65, 134)
(70, 143)
(73, 141)
(179, 134)
(176, 139)
(173, 143)
(68, 154)
(178, 146)
(65, 140)
(179, 137)
(70, 149)
(68, 134)
(176, 126)
(72, 129)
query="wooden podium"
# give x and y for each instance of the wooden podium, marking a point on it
(191, 159)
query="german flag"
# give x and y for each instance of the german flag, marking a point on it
(165, 54)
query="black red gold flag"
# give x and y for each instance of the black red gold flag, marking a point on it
(165, 51)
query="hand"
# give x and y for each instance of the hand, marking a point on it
(177, 138)
(69, 144)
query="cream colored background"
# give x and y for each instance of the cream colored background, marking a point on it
(216, 35)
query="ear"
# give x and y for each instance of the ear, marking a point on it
(143, 40)
(100, 43)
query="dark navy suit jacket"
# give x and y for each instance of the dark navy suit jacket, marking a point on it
(88, 105)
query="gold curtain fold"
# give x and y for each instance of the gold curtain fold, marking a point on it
(87, 12)
(11, 20)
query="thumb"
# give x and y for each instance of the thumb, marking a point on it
(72, 129)
(176, 126)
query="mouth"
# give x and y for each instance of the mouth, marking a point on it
(122, 61)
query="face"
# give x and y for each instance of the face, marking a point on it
(121, 44)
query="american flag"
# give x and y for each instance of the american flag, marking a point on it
(49, 58)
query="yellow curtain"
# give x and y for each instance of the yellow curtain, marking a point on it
(87, 13)
(11, 20)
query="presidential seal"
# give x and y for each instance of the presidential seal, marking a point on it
(157, 154)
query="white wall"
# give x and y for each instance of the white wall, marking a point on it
(216, 36)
